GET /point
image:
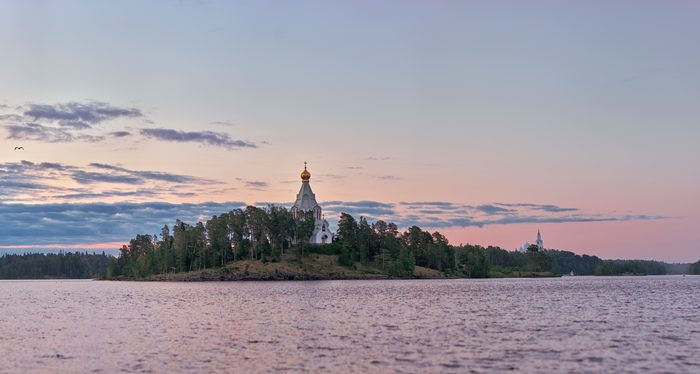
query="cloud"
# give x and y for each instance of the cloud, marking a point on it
(203, 137)
(83, 121)
(91, 223)
(376, 158)
(255, 185)
(552, 208)
(88, 223)
(545, 207)
(362, 204)
(63, 123)
(441, 204)
(368, 209)
(107, 194)
(492, 209)
(79, 115)
(119, 134)
(84, 177)
(25, 181)
(443, 214)
(40, 133)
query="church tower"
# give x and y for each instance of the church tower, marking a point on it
(540, 246)
(306, 201)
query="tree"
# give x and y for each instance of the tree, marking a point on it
(236, 225)
(279, 223)
(305, 225)
(256, 228)
(537, 260)
(348, 231)
(217, 233)
(366, 241)
(404, 265)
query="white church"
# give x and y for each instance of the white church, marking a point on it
(306, 201)
(538, 242)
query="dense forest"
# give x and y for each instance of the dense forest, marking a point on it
(273, 233)
(631, 267)
(265, 234)
(62, 265)
(694, 268)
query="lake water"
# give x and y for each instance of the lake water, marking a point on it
(563, 325)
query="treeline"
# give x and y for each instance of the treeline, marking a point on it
(265, 234)
(565, 262)
(630, 267)
(251, 233)
(694, 268)
(51, 265)
(381, 245)
(507, 262)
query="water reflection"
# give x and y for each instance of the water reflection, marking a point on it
(572, 324)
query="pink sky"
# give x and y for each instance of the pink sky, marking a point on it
(578, 119)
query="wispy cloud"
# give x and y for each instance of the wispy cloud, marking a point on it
(79, 115)
(40, 133)
(443, 214)
(87, 121)
(55, 224)
(88, 223)
(62, 123)
(255, 185)
(493, 209)
(203, 137)
(119, 134)
(376, 158)
(49, 180)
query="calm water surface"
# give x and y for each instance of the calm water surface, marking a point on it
(570, 324)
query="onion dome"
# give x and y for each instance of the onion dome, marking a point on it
(305, 175)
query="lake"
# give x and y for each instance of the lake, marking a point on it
(564, 325)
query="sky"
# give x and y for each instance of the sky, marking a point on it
(484, 120)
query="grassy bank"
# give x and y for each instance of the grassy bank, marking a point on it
(313, 267)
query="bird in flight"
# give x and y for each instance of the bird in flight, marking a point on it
(16, 148)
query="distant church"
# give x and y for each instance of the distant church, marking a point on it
(306, 201)
(538, 242)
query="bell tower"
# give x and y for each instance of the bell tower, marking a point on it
(306, 201)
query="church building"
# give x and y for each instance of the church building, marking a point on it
(306, 201)
(538, 243)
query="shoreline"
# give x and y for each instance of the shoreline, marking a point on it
(313, 267)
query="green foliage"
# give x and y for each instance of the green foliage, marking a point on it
(501, 257)
(62, 265)
(404, 265)
(264, 233)
(334, 248)
(632, 267)
(347, 255)
(304, 228)
(473, 261)
(538, 261)
(565, 262)
(694, 268)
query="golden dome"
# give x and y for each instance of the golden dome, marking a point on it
(305, 175)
